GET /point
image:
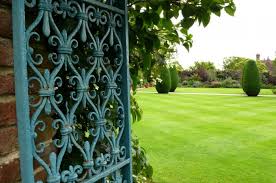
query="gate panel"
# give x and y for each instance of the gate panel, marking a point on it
(72, 90)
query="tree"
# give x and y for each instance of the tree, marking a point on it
(274, 67)
(207, 65)
(174, 78)
(205, 70)
(251, 78)
(174, 63)
(236, 64)
(151, 27)
(163, 83)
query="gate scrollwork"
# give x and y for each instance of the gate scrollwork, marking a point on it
(76, 54)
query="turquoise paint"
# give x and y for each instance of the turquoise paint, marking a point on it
(72, 87)
(21, 90)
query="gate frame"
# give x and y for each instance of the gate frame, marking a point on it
(22, 96)
(21, 91)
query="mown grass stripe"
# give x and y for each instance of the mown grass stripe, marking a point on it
(209, 139)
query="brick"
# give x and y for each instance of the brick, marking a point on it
(7, 111)
(45, 154)
(10, 169)
(6, 83)
(49, 132)
(6, 2)
(8, 140)
(5, 22)
(6, 52)
(40, 174)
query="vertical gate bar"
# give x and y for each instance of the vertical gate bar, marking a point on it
(21, 90)
(126, 96)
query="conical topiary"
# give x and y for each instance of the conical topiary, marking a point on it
(174, 78)
(163, 84)
(251, 82)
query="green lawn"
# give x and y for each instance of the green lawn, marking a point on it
(211, 90)
(209, 139)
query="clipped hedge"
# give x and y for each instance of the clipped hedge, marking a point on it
(163, 84)
(251, 82)
(174, 78)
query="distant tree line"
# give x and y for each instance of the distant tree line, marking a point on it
(205, 74)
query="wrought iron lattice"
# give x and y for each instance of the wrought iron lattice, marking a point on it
(72, 90)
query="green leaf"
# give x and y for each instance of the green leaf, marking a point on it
(166, 44)
(176, 13)
(217, 13)
(188, 10)
(183, 31)
(169, 14)
(230, 10)
(206, 19)
(147, 61)
(132, 38)
(149, 44)
(139, 23)
(155, 18)
(216, 9)
(166, 23)
(149, 171)
(187, 46)
(187, 23)
(156, 42)
(147, 19)
(165, 4)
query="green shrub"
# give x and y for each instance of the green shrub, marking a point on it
(215, 84)
(190, 83)
(184, 83)
(230, 83)
(142, 170)
(197, 84)
(267, 86)
(163, 83)
(174, 78)
(251, 82)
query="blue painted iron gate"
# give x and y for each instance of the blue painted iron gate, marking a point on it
(72, 90)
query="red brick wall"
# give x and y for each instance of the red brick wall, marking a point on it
(9, 156)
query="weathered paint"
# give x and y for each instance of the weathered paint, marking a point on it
(69, 88)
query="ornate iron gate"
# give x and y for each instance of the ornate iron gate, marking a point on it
(72, 90)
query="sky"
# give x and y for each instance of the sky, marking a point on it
(252, 30)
